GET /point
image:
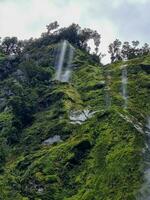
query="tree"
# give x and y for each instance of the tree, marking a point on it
(74, 34)
(134, 51)
(125, 51)
(96, 38)
(84, 36)
(135, 44)
(98, 57)
(71, 34)
(11, 46)
(145, 49)
(52, 26)
(115, 51)
(88, 34)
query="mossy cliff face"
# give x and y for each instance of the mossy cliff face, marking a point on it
(98, 143)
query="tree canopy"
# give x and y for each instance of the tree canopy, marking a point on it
(79, 38)
(126, 51)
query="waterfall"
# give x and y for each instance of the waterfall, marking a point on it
(107, 96)
(64, 70)
(145, 190)
(124, 86)
(67, 73)
(61, 60)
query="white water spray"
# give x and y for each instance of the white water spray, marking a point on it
(63, 72)
(67, 73)
(107, 97)
(66, 76)
(61, 60)
(124, 86)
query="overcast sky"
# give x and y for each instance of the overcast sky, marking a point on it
(124, 19)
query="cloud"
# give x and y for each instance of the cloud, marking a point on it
(124, 19)
(28, 18)
(130, 17)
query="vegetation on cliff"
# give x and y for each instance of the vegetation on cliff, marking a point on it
(99, 158)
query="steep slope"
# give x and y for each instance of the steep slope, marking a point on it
(76, 140)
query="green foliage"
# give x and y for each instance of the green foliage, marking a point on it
(35, 73)
(99, 159)
(74, 34)
(11, 46)
(127, 51)
(2, 56)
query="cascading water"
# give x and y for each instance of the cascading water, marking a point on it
(145, 190)
(107, 90)
(61, 60)
(67, 73)
(107, 98)
(63, 72)
(124, 85)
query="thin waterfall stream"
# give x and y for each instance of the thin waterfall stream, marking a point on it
(64, 62)
(124, 80)
(107, 91)
(61, 60)
(67, 73)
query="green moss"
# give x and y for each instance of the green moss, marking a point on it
(97, 160)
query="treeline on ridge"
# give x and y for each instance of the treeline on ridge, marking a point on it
(79, 38)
